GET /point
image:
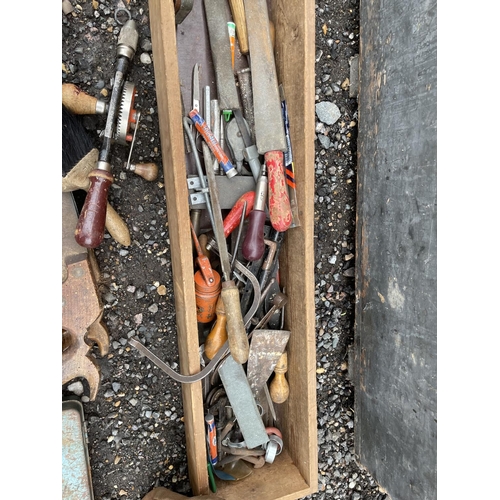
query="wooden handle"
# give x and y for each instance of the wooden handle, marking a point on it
(238, 13)
(89, 231)
(279, 388)
(236, 333)
(280, 212)
(253, 246)
(78, 101)
(148, 171)
(218, 335)
(116, 227)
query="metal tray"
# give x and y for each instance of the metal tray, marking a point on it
(76, 477)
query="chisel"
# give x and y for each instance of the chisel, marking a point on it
(236, 332)
(269, 127)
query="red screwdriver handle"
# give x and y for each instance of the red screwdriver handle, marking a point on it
(232, 219)
(280, 212)
(89, 231)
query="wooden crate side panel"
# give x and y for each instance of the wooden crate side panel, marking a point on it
(163, 37)
(294, 49)
(395, 331)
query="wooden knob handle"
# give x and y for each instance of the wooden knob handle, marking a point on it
(279, 388)
(116, 227)
(89, 231)
(236, 333)
(148, 171)
(238, 13)
(280, 212)
(79, 102)
(218, 335)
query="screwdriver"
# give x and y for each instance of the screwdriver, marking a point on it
(233, 218)
(236, 332)
(218, 335)
(253, 245)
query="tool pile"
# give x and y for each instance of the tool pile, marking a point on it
(242, 201)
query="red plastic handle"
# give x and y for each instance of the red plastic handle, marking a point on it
(89, 231)
(232, 219)
(280, 212)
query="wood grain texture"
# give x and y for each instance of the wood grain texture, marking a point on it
(293, 475)
(295, 45)
(163, 37)
(394, 363)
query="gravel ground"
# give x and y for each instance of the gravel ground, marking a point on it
(135, 425)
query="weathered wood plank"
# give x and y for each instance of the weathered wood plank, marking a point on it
(395, 331)
(163, 37)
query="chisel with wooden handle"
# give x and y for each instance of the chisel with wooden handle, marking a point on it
(236, 332)
(268, 121)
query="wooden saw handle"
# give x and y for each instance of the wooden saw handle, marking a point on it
(280, 212)
(89, 231)
(236, 333)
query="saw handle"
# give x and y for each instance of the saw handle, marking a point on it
(89, 231)
(280, 212)
(236, 333)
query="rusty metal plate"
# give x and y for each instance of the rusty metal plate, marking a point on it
(76, 475)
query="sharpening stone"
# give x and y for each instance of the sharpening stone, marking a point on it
(243, 403)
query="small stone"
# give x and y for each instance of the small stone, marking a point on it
(327, 112)
(116, 386)
(153, 308)
(325, 141)
(145, 58)
(332, 259)
(76, 388)
(349, 273)
(162, 290)
(138, 319)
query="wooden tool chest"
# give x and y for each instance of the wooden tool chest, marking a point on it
(294, 472)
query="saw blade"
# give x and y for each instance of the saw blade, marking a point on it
(125, 113)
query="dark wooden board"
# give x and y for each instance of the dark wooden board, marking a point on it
(394, 354)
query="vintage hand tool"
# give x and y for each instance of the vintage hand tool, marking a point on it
(253, 243)
(223, 351)
(237, 337)
(240, 396)
(213, 144)
(238, 13)
(90, 228)
(81, 309)
(79, 158)
(233, 218)
(81, 103)
(265, 349)
(148, 171)
(269, 128)
(207, 285)
(217, 16)
(279, 387)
